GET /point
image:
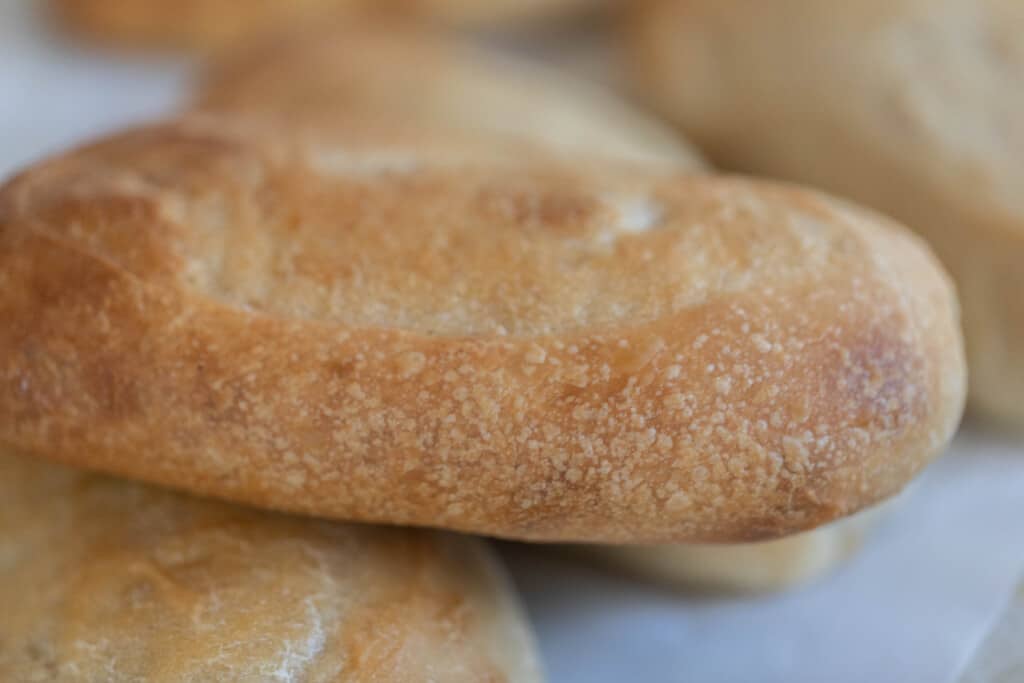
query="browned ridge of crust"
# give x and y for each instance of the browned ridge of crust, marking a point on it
(202, 25)
(215, 25)
(535, 350)
(108, 580)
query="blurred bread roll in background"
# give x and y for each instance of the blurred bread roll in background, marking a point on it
(102, 579)
(399, 74)
(214, 25)
(914, 107)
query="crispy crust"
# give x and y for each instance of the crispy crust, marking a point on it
(108, 580)
(393, 73)
(540, 352)
(912, 107)
(215, 25)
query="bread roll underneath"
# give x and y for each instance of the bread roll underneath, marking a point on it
(913, 107)
(102, 579)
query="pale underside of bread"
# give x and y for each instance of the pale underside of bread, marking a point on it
(107, 580)
(217, 25)
(746, 567)
(543, 351)
(912, 107)
(393, 72)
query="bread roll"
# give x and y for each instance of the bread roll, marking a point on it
(551, 351)
(213, 25)
(104, 580)
(376, 72)
(912, 106)
(396, 74)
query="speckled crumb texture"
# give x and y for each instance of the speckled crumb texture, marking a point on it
(105, 580)
(542, 350)
(913, 107)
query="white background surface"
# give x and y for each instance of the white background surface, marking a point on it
(912, 607)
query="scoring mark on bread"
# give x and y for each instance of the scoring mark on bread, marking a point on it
(634, 215)
(344, 162)
(637, 214)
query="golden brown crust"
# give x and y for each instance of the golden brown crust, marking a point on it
(202, 25)
(106, 580)
(214, 25)
(540, 352)
(393, 74)
(913, 107)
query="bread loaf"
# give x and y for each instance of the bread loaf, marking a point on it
(913, 107)
(562, 351)
(105, 580)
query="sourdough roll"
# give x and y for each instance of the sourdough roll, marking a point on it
(105, 580)
(215, 25)
(539, 350)
(913, 107)
(396, 74)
